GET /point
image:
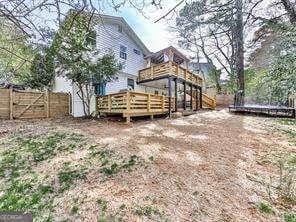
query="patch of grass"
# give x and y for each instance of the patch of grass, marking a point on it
(103, 154)
(74, 210)
(103, 208)
(125, 164)
(26, 151)
(102, 204)
(287, 121)
(41, 147)
(113, 169)
(27, 196)
(290, 217)
(147, 211)
(68, 176)
(265, 208)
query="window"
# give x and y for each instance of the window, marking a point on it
(123, 54)
(137, 52)
(130, 84)
(156, 92)
(119, 28)
(100, 89)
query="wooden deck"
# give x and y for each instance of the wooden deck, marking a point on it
(168, 69)
(131, 104)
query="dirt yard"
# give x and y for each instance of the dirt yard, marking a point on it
(211, 166)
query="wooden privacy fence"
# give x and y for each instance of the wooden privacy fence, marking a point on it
(134, 104)
(28, 104)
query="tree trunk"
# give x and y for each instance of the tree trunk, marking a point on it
(290, 9)
(239, 47)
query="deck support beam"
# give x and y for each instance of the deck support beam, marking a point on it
(184, 85)
(191, 98)
(176, 95)
(196, 98)
(128, 119)
(200, 97)
(170, 95)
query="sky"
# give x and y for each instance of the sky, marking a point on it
(155, 36)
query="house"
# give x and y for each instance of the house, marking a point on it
(143, 72)
(201, 67)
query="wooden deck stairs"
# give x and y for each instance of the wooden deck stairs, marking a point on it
(207, 101)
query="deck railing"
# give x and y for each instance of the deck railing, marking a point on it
(169, 68)
(132, 103)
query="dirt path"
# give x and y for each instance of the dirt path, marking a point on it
(197, 169)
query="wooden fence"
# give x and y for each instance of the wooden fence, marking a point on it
(28, 104)
(224, 100)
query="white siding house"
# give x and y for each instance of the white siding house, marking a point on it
(112, 33)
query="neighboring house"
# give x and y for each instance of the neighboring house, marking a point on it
(113, 33)
(202, 67)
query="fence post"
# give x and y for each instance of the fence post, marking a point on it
(10, 103)
(47, 99)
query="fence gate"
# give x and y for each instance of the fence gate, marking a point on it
(29, 105)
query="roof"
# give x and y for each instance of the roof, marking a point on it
(127, 28)
(9, 85)
(175, 51)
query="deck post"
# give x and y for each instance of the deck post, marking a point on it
(149, 103)
(128, 102)
(196, 99)
(200, 97)
(191, 98)
(163, 103)
(128, 119)
(170, 95)
(184, 84)
(151, 71)
(171, 67)
(176, 95)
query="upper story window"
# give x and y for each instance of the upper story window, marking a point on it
(137, 51)
(130, 84)
(119, 28)
(123, 50)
